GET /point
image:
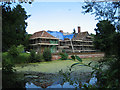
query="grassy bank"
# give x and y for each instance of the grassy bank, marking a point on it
(55, 66)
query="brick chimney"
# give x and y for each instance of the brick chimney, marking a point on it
(79, 29)
(61, 31)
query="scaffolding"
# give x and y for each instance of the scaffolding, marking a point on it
(53, 49)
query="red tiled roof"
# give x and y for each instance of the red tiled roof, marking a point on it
(41, 34)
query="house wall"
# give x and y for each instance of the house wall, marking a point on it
(47, 44)
(79, 46)
(85, 55)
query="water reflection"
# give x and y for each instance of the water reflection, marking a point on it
(65, 85)
(19, 80)
(58, 83)
(46, 82)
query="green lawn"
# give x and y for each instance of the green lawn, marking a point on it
(55, 66)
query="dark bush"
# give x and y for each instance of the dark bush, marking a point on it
(7, 65)
(47, 54)
(32, 58)
(35, 57)
(110, 76)
(13, 80)
(39, 57)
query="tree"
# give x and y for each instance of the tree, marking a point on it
(26, 42)
(74, 31)
(107, 39)
(14, 26)
(105, 32)
(104, 11)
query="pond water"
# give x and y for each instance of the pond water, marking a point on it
(58, 82)
(65, 85)
(55, 85)
(40, 81)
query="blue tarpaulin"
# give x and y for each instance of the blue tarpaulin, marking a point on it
(60, 35)
(69, 36)
(56, 34)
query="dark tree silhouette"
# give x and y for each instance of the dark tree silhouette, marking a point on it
(103, 40)
(13, 26)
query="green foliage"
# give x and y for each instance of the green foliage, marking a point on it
(80, 62)
(20, 48)
(73, 57)
(47, 54)
(107, 40)
(116, 44)
(109, 78)
(32, 58)
(17, 54)
(13, 51)
(35, 57)
(7, 64)
(14, 26)
(74, 64)
(26, 42)
(103, 11)
(78, 58)
(64, 56)
(39, 57)
(103, 40)
(22, 58)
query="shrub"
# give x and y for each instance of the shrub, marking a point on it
(13, 51)
(35, 57)
(32, 58)
(22, 58)
(39, 57)
(17, 55)
(20, 48)
(64, 56)
(47, 54)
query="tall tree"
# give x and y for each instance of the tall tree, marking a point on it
(14, 26)
(105, 11)
(107, 39)
(103, 41)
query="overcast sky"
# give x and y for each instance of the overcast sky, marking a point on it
(57, 16)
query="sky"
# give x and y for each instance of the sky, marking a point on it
(56, 16)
